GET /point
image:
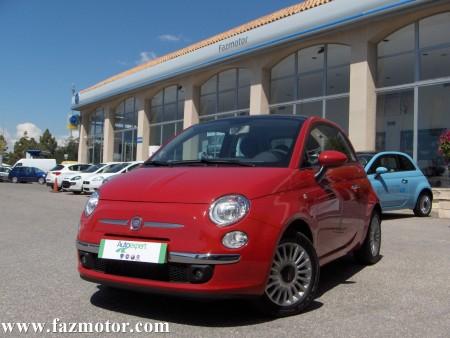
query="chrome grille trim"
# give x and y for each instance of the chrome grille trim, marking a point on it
(114, 221)
(178, 257)
(163, 225)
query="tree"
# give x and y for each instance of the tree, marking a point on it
(48, 143)
(20, 148)
(70, 148)
(3, 147)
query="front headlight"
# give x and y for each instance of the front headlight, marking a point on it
(76, 178)
(91, 203)
(98, 178)
(228, 209)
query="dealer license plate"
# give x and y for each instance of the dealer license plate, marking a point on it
(122, 250)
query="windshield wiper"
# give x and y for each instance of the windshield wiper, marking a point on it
(157, 163)
(212, 161)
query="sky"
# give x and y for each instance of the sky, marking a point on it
(47, 46)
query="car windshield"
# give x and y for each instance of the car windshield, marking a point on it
(364, 158)
(115, 168)
(259, 142)
(93, 168)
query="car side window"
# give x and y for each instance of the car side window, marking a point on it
(324, 137)
(388, 161)
(406, 164)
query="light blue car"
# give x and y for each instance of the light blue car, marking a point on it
(398, 182)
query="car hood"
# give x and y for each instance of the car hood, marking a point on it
(195, 184)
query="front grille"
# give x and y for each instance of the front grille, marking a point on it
(66, 184)
(169, 272)
(85, 182)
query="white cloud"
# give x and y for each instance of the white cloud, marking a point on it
(62, 139)
(32, 130)
(170, 37)
(146, 56)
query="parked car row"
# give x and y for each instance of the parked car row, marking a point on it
(71, 177)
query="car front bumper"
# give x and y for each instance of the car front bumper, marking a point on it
(91, 186)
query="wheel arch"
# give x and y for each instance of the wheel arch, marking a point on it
(299, 225)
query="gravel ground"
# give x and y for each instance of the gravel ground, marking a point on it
(407, 294)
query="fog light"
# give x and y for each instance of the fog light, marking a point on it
(235, 239)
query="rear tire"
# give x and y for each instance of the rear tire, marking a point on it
(369, 253)
(76, 192)
(293, 278)
(423, 205)
(41, 181)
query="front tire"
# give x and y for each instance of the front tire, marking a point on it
(369, 253)
(293, 277)
(14, 180)
(423, 205)
(41, 181)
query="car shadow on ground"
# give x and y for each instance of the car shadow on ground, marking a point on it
(394, 216)
(211, 313)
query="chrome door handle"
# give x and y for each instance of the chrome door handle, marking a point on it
(404, 181)
(355, 187)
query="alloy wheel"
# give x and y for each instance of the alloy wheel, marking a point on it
(375, 236)
(290, 275)
(425, 204)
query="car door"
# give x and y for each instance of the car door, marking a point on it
(390, 187)
(411, 178)
(333, 208)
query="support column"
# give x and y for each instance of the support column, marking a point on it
(259, 91)
(108, 134)
(362, 114)
(191, 104)
(143, 129)
(83, 138)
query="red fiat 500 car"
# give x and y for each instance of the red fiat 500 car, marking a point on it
(240, 206)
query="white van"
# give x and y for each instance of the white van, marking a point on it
(45, 164)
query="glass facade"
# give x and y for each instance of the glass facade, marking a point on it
(313, 81)
(413, 103)
(125, 131)
(166, 114)
(225, 94)
(95, 136)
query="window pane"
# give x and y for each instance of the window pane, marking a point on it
(227, 79)
(338, 80)
(168, 130)
(227, 101)
(119, 116)
(244, 97)
(395, 70)
(398, 42)
(310, 109)
(244, 77)
(180, 93)
(208, 104)
(434, 118)
(179, 127)
(156, 114)
(337, 111)
(155, 135)
(395, 120)
(180, 114)
(338, 55)
(435, 63)
(157, 100)
(282, 90)
(311, 59)
(285, 67)
(170, 112)
(434, 30)
(310, 85)
(283, 110)
(170, 94)
(209, 86)
(129, 105)
(117, 156)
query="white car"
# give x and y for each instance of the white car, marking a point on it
(94, 182)
(74, 182)
(57, 173)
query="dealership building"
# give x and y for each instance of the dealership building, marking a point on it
(378, 68)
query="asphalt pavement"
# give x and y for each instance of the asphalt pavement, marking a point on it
(406, 294)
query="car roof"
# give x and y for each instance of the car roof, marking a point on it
(261, 117)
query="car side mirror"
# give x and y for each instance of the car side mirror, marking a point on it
(380, 170)
(330, 158)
